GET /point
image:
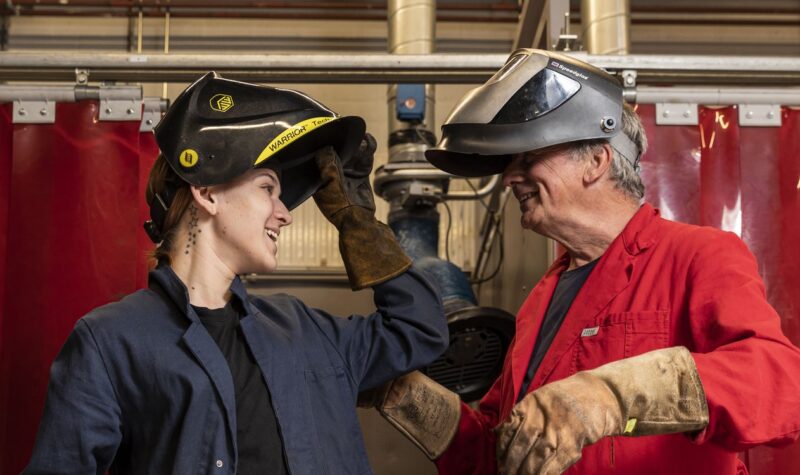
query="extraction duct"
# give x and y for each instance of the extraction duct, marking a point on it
(479, 336)
(606, 26)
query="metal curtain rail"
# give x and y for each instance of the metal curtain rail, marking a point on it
(383, 68)
(10, 93)
(710, 96)
(36, 104)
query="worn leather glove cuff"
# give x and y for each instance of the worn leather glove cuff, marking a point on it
(658, 392)
(424, 411)
(370, 252)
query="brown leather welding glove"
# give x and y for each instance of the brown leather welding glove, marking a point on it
(655, 393)
(370, 252)
(421, 409)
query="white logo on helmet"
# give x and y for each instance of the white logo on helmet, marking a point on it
(575, 73)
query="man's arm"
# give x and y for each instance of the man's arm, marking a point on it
(739, 388)
(472, 450)
(749, 369)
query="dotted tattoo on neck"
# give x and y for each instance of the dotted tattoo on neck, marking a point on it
(192, 227)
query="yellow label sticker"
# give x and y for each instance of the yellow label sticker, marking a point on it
(290, 135)
(188, 158)
(630, 426)
(221, 102)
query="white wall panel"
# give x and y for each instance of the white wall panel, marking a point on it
(312, 243)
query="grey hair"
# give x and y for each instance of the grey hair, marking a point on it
(623, 173)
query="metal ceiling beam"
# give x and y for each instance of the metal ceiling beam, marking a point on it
(539, 23)
(531, 26)
(505, 11)
(383, 68)
(494, 5)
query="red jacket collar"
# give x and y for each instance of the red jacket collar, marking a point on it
(608, 279)
(639, 234)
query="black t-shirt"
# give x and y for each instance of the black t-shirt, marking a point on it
(569, 283)
(257, 436)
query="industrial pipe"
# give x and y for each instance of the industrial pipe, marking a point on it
(386, 176)
(606, 26)
(762, 71)
(412, 31)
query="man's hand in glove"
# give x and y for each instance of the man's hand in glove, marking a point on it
(654, 393)
(369, 250)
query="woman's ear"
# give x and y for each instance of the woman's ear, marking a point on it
(599, 162)
(205, 198)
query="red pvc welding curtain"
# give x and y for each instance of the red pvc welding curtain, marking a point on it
(71, 208)
(745, 180)
(73, 241)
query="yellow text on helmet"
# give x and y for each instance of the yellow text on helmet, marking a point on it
(290, 135)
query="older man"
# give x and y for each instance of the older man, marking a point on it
(643, 327)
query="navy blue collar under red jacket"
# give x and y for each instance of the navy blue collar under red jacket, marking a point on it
(141, 387)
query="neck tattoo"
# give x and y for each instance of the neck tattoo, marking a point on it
(192, 227)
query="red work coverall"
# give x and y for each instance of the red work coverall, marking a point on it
(659, 284)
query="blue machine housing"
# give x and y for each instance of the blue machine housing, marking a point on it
(410, 103)
(418, 234)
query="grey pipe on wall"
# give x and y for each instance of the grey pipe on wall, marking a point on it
(412, 30)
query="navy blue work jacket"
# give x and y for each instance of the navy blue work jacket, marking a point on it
(141, 387)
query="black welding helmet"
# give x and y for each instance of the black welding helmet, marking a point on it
(218, 129)
(537, 100)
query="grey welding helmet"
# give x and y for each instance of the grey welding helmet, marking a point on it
(537, 100)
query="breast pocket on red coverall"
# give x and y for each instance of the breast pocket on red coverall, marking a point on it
(613, 337)
(621, 335)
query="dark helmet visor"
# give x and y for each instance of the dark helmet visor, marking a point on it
(544, 92)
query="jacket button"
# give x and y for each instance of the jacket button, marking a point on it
(219, 464)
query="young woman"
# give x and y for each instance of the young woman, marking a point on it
(193, 375)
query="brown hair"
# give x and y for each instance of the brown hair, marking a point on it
(160, 175)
